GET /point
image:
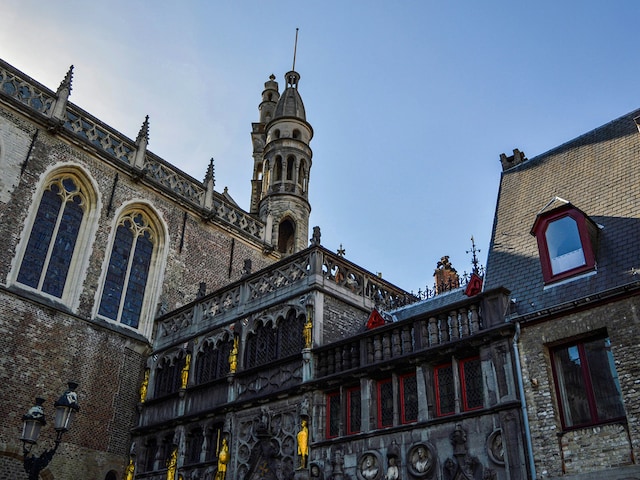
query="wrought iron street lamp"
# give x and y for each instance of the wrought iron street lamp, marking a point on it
(66, 408)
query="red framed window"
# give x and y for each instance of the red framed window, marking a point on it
(333, 414)
(408, 398)
(471, 390)
(385, 403)
(445, 390)
(587, 383)
(566, 239)
(354, 409)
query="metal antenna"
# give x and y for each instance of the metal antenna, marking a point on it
(295, 47)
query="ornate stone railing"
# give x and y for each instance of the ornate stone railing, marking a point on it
(315, 266)
(401, 339)
(121, 149)
(25, 90)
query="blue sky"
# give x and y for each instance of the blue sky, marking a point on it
(411, 102)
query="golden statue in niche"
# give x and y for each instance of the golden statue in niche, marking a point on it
(172, 464)
(303, 444)
(233, 356)
(144, 386)
(129, 470)
(185, 371)
(223, 459)
(307, 332)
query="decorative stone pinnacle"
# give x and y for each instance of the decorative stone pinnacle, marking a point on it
(210, 175)
(341, 251)
(66, 81)
(144, 131)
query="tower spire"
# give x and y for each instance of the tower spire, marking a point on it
(295, 48)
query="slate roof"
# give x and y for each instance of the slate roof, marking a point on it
(599, 173)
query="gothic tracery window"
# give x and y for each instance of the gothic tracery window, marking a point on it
(213, 361)
(58, 235)
(132, 252)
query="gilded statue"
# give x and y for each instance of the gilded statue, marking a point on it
(185, 371)
(303, 443)
(306, 332)
(172, 464)
(129, 470)
(223, 459)
(144, 386)
(233, 356)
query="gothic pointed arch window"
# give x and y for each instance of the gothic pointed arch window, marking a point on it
(60, 231)
(278, 168)
(135, 252)
(302, 176)
(286, 236)
(212, 362)
(290, 167)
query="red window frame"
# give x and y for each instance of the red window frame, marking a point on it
(403, 398)
(590, 391)
(539, 231)
(333, 398)
(441, 410)
(382, 408)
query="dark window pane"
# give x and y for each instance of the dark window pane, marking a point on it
(409, 392)
(472, 383)
(40, 238)
(604, 380)
(385, 408)
(572, 386)
(137, 281)
(116, 273)
(333, 429)
(353, 411)
(63, 247)
(445, 404)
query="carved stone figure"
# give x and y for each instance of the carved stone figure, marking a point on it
(369, 467)
(233, 356)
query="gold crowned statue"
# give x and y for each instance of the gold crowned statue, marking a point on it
(306, 333)
(184, 373)
(303, 444)
(223, 459)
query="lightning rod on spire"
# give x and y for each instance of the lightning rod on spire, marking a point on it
(295, 47)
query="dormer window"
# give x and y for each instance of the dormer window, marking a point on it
(566, 242)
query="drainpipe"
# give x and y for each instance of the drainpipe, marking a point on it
(523, 403)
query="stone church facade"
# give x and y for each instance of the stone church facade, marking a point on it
(215, 343)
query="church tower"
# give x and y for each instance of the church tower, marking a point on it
(282, 162)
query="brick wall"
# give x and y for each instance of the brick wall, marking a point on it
(558, 452)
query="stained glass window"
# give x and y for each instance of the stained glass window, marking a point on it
(128, 271)
(50, 249)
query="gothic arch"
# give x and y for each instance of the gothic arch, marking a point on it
(286, 235)
(64, 212)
